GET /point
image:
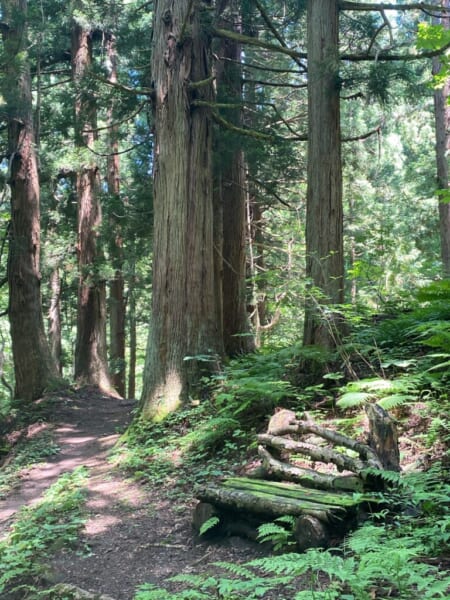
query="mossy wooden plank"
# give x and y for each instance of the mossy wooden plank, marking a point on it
(293, 490)
(268, 503)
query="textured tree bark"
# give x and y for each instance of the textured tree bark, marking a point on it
(184, 341)
(231, 188)
(91, 365)
(285, 422)
(442, 125)
(383, 437)
(316, 453)
(34, 368)
(117, 285)
(132, 328)
(309, 477)
(324, 217)
(54, 318)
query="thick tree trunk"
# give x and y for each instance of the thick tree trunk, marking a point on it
(90, 352)
(231, 187)
(256, 267)
(324, 219)
(184, 341)
(442, 124)
(33, 366)
(117, 285)
(54, 318)
(132, 328)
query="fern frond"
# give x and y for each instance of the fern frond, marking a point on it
(235, 569)
(353, 399)
(396, 400)
(209, 524)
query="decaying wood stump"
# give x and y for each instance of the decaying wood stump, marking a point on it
(383, 437)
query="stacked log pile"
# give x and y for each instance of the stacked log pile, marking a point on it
(323, 503)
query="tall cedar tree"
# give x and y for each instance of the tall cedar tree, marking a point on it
(117, 285)
(90, 352)
(184, 339)
(442, 124)
(324, 220)
(231, 195)
(33, 366)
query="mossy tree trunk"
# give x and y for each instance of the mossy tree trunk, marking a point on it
(91, 365)
(184, 341)
(33, 365)
(324, 220)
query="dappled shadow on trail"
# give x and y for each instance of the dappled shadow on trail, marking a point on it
(132, 534)
(146, 540)
(85, 426)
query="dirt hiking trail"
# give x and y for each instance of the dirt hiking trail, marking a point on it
(132, 534)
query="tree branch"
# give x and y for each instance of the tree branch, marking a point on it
(276, 84)
(124, 88)
(251, 41)
(363, 136)
(394, 57)
(255, 134)
(272, 28)
(360, 6)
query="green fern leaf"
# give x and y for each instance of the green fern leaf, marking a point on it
(396, 400)
(209, 524)
(352, 399)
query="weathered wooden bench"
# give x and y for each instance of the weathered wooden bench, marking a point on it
(325, 505)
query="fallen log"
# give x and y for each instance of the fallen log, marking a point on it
(309, 477)
(269, 504)
(285, 422)
(316, 453)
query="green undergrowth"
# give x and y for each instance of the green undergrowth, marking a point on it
(210, 438)
(392, 556)
(181, 447)
(28, 452)
(39, 531)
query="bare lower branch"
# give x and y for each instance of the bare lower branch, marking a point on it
(124, 88)
(360, 6)
(272, 27)
(253, 133)
(363, 136)
(294, 54)
(382, 56)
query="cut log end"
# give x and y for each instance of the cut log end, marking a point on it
(309, 532)
(203, 512)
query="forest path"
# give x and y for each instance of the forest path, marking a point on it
(133, 534)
